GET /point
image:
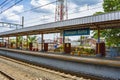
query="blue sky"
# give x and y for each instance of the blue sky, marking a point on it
(76, 8)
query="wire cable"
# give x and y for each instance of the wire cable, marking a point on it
(33, 8)
(29, 20)
(6, 3)
(3, 2)
(11, 6)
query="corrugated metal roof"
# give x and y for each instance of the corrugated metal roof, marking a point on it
(108, 20)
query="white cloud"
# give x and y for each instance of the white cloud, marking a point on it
(78, 11)
(11, 14)
(86, 10)
(37, 3)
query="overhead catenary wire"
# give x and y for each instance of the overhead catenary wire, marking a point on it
(33, 8)
(3, 2)
(38, 20)
(11, 6)
(6, 3)
(30, 19)
(73, 12)
(48, 15)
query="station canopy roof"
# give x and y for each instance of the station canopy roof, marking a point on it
(103, 21)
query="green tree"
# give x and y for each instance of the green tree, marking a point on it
(20, 38)
(111, 5)
(112, 36)
(31, 39)
(97, 13)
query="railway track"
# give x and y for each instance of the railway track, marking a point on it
(60, 64)
(67, 76)
(5, 76)
(62, 73)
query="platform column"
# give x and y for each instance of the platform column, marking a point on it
(2, 41)
(98, 43)
(16, 41)
(100, 46)
(63, 40)
(27, 43)
(8, 41)
(42, 41)
(20, 43)
(98, 40)
(98, 35)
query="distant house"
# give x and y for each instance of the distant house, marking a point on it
(91, 41)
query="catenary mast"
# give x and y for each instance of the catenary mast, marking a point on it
(61, 12)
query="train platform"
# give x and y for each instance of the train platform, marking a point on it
(113, 62)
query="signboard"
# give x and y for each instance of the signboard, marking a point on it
(75, 32)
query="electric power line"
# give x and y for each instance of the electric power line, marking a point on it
(3, 5)
(29, 20)
(11, 6)
(33, 8)
(46, 5)
(3, 2)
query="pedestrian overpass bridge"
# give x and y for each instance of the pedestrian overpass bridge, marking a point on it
(103, 21)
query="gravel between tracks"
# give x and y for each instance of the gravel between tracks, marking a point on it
(22, 72)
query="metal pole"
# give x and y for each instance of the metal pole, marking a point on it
(22, 22)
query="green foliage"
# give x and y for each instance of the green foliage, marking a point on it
(13, 41)
(112, 36)
(111, 5)
(31, 38)
(102, 33)
(97, 13)
(20, 39)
